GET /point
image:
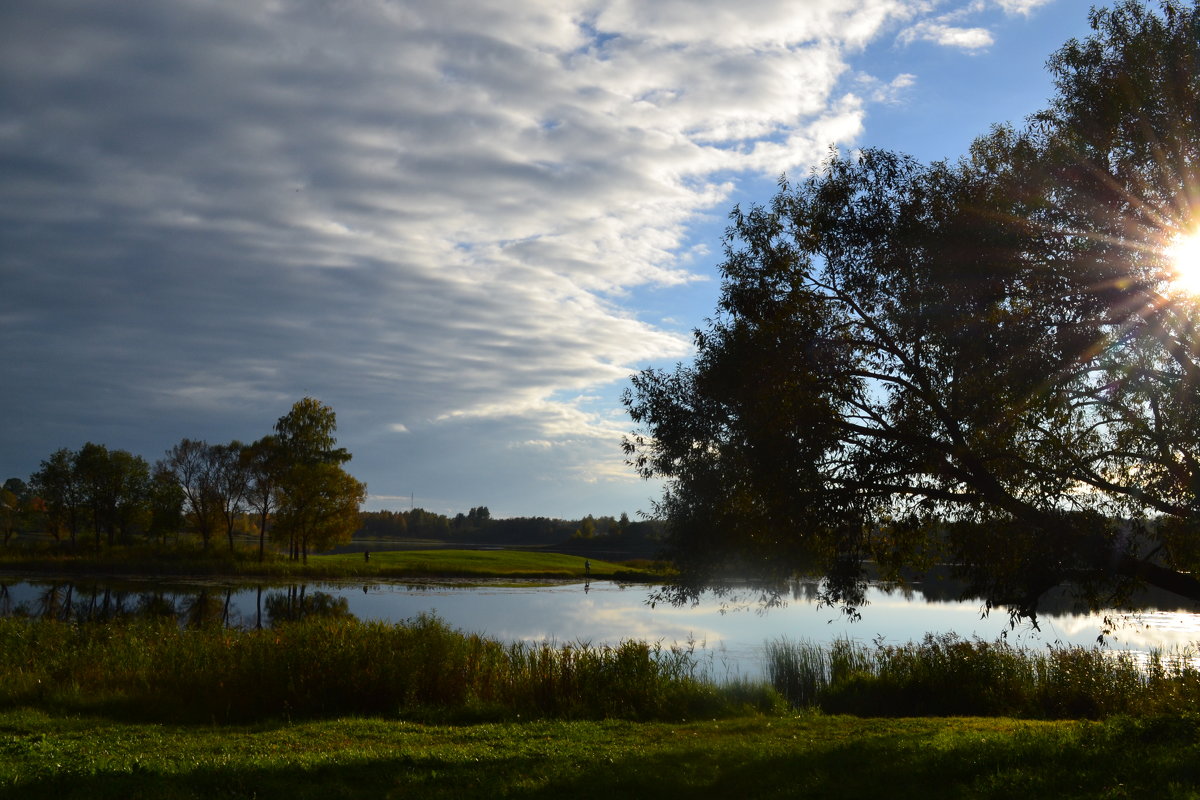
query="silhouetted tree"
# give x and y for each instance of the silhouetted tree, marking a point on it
(166, 504)
(57, 483)
(231, 480)
(263, 463)
(194, 469)
(981, 362)
(115, 487)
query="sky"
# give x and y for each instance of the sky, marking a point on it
(462, 224)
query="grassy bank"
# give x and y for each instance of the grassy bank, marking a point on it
(43, 755)
(333, 665)
(946, 675)
(421, 669)
(383, 565)
(337, 708)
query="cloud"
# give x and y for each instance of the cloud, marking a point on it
(953, 29)
(426, 211)
(890, 93)
(949, 35)
(1022, 7)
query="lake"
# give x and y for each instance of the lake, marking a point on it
(728, 639)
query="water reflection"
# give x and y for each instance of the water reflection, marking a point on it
(194, 606)
(729, 634)
(297, 603)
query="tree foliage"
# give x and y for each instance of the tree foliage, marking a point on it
(231, 476)
(293, 478)
(982, 362)
(113, 488)
(16, 508)
(318, 501)
(108, 489)
(57, 484)
(195, 468)
(318, 507)
(263, 461)
(166, 504)
(306, 434)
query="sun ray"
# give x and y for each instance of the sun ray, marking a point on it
(1184, 256)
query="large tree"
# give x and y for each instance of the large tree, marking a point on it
(115, 486)
(318, 501)
(985, 363)
(166, 504)
(56, 483)
(194, 468)
(318, 508)
(262, 461)
(231, 474)
(214, 480)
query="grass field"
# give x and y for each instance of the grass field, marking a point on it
(329, 709)
(146, 559)
(752, 757)
(474, 563)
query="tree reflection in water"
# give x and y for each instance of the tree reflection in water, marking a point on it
(296, 604)
(191, 607)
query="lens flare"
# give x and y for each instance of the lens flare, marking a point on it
(1184, 255)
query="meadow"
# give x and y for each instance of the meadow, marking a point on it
(243, 563)
(341, 708)
(97, 758)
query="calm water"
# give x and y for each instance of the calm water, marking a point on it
(731, 639)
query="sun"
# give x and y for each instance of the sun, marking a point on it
(1184, 256)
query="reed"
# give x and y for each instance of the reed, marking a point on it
(323, 668)
(945, 675)
(423, 669)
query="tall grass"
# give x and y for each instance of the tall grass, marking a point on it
(421, 668)
(946, 675)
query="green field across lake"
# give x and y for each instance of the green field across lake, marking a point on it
(478, 563)
(243, 563)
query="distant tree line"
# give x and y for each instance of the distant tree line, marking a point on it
(478, 526)
(291, 483)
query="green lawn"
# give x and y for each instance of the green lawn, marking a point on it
(148, 559)
(471, 563)
(805, 756)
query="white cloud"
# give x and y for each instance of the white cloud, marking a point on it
(749, 24)
(892, 92)
(1022, 7)
(952, 28)
(949, 35)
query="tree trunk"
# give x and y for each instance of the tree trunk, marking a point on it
(262, 535)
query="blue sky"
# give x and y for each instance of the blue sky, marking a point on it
(462, 224)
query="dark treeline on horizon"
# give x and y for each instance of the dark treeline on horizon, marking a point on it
(478, 526)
